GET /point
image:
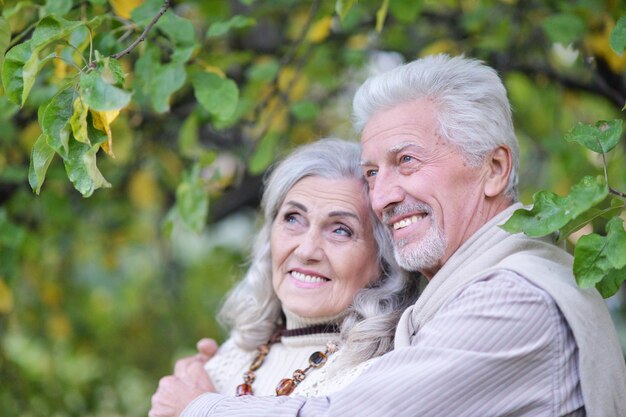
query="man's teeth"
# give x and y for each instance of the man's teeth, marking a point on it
(307, 278)
(405, 222)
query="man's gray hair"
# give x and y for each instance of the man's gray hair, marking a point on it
(251, 310)
(472, 107)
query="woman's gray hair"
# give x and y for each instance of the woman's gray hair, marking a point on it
(473, 110)
(252, 310)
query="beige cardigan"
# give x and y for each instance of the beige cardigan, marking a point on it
(601, 362)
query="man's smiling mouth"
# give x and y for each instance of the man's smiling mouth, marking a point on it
(407, 221)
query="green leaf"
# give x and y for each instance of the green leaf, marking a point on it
(618, 36)
(590, 263)
(604, 136)
(600, 260)
(616, 243)
(12, 68)
(99, 93)
(188, 136)
(236, 22)
(405, 10)
(263, 71)
(342, 7)
(587, 217)
(55, 121)
(11, 235)
(39, 162)
(192, 201)
(219, 96)
(564, 28)
(5, 38)
(158, 81)
(550, 212)
(381, 15)
(57, 7)
(82, 170)
(264, 154)
(51, 29)
(610, 283)
(181, 32)
(29, 74)
(305, 110)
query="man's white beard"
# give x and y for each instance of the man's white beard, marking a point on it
(422, 255)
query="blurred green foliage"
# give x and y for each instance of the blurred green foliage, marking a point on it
(99, 295)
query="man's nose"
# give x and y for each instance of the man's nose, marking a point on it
(309, 248)
(386, 192)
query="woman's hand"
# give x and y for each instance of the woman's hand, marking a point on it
(190, 380)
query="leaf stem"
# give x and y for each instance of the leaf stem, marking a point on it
(142, 37)
(617, 193)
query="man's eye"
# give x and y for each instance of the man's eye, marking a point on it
(290, 218)
(371, 173)
(406, 158)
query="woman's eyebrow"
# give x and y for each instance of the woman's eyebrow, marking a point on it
(340, 213)
(297, 205)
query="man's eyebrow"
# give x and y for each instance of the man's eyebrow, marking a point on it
(394, 150)
(399, 147)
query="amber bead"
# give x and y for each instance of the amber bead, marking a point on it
(299, 375)
(244, 389)
(285, 386)
(258, 361)
(248, 377)
(317, 359)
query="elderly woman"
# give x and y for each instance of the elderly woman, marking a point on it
(323, 293)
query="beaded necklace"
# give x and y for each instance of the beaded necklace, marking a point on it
(287, 385)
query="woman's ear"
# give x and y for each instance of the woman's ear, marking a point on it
(498, 167)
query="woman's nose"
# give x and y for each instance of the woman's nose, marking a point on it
(309, 248)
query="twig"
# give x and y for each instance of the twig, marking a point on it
(617, 193)
(142, 37)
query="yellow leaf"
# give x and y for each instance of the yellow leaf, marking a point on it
(439, 47)
(123, 8)
(6, 298)
(78, 121)
(381, 14)
(293, 83)
(60, 66)
(144, 191)
(59, 326)
(599, 43)
(102, 121)
(320, 30)
(29, 134)
(359, 41)
(214, 70)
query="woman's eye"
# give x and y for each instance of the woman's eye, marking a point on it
(343, 231)
(290, 218)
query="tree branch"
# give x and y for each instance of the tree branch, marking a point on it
(142, 37)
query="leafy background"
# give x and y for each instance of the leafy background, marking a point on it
(99, 295)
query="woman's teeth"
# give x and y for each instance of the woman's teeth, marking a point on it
(307, 278)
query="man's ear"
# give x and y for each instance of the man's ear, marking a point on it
(498, 167)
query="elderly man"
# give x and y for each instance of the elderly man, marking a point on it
(501, 328)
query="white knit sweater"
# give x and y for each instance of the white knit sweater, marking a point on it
(226, 368)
